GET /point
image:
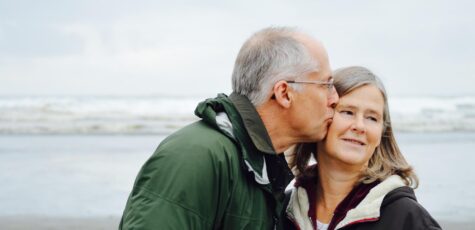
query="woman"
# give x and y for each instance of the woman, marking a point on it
(361, 180)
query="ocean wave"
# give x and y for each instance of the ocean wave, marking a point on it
(163, 115)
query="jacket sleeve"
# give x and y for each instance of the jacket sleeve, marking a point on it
(182, 186)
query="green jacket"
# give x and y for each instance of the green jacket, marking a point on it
(218, 173)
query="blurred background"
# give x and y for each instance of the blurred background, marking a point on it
(88, 89)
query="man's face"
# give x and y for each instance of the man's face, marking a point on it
(313, 111)
(313, 105)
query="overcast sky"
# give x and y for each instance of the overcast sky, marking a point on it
(94, 47)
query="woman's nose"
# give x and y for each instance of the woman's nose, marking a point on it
(358, 125)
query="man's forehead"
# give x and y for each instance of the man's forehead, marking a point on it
(322, 74)
(319, 54)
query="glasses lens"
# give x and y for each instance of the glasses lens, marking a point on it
(330, 85)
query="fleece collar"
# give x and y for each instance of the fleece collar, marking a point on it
(369, 207)
(367, 210)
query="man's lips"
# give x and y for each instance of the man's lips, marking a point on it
(328, 122)
(354, 141)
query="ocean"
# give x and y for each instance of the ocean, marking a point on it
(78, 156)
(162, 114)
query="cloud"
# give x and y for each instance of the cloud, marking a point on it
(105, 47)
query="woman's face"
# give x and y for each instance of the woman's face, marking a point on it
(356, 128)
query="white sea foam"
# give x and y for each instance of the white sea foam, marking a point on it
(112, 115)
(162, 115)
(433, 114)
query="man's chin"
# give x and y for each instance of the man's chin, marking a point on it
(326, 126)
(322, 135)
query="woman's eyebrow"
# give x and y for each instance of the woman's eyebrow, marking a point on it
(345, 106)
(375, 112)
(352, 107)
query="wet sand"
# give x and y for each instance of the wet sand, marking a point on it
(106, 223)
(58, 223)
(92, 176)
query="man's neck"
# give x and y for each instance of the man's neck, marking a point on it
(281, 137)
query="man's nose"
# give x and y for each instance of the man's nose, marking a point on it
(333, 98)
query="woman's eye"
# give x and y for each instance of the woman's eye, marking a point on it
(373, 119)
(346, 112)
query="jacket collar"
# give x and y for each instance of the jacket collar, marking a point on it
(238, 119)
(253, 123)
(363, 203)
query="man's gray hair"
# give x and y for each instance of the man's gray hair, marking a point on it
(270, 55)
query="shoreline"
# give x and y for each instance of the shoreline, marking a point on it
(23, 222)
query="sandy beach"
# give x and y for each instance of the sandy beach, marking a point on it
(105, 223)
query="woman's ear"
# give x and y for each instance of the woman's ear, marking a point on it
(283, 94)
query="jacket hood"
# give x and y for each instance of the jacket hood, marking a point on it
(237, 118)
(209, 109)
(224, 114)
(399, 193)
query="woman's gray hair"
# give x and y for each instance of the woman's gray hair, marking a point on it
(270, 55)
(387, 158)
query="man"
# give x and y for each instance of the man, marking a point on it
(226, 171)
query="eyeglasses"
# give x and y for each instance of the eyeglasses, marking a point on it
(329, 84)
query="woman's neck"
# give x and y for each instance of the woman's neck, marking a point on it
(334, 184)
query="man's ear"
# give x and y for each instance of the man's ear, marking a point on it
(283, 94)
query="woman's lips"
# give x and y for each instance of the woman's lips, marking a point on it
(354, 141)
